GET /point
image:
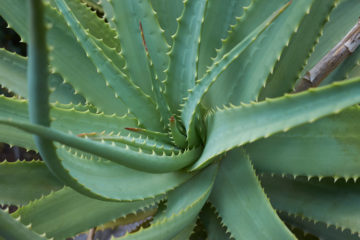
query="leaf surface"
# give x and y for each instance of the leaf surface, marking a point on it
(183, 205)
(236, 126)
(241, 203)
(23, 182)
(11, 228)
(65, 213)
(326, 201)
(181, 74)
(327, 147)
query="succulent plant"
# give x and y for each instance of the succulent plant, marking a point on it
(182, 114)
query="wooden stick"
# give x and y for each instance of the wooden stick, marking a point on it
(91, 234)
(330, 61)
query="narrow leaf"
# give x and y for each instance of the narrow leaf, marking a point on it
(69, 213)
(249, 122)
(183, 205)
(332, 203)
(284, 75)
(148, 162)
(137, 101)
(197, 94)
(182, 69)
(23, 182)
(237, 195)
(327, 147)
(11, 228)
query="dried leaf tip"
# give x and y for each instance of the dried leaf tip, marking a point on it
(133, 129)
(143, 36)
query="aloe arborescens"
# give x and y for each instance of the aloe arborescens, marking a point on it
(164, 105)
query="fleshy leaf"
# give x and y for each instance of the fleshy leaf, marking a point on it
(284, 75)
(84, 212)
(11, 228)
(197, 94)
(181, 73)
(135, 99)
(25, 181)
(183, 205)
(327, 147)
(332, 203)
(139, 160)
(236, 126)
(237, 195)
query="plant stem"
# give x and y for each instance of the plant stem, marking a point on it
(331, 60)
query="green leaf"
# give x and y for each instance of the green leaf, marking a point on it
(318, 229)
(13, 70)
(284, 75)
(244, 78)
(63, 120)
(23, 182)
(341, 21)
(114, 181)
(181, 74)
(327, 147)
(213, 225)
(219, 16)
(139, 160)
(65, 213)
(75, 67)
(332, 203)
(249, 122)
(135, 99)
(241, 203)
(192, 104)
(167, 13)
(125, 16)
(343, 18)
(185, 233)
(183, 205)
(11, 228)
(39, 109)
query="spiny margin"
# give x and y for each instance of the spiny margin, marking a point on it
(140, 104)
(195, 96)
(62, 119)
(213, 224)
(125, 16)
(307, 34)
(13, 68)
(181, 73)
(74, 212)
(133, 159)
(241, 202)
(114, 181)
(23, 182)
(39, 108)
(11, 228)
(316, 228)
(332, 203)
(327, 147)
(183, 205)
(219, 16)
(238, 125)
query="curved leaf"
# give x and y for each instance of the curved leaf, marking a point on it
(327, 147)
(68, 213)
(139, 160)
(241, 203)
(11, 228)
(22, 182)
(332, 203)
(236, 126)
(183, 205)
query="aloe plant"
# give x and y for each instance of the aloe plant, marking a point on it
(180, 113)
